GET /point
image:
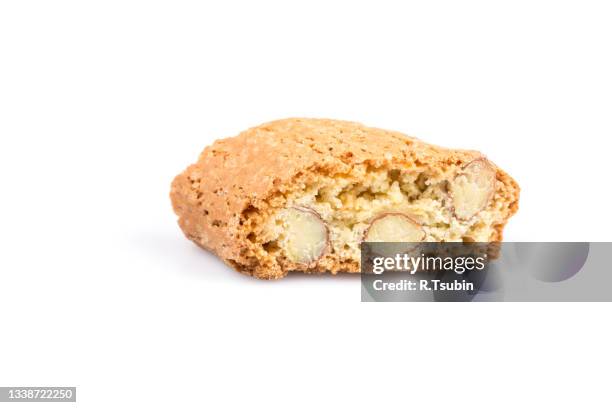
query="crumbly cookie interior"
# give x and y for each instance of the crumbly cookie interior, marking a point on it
(347, 204)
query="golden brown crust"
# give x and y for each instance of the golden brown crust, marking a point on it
(235, 178)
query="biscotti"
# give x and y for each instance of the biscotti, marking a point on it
(302, 194)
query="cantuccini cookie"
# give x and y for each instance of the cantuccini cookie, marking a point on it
(302, 194)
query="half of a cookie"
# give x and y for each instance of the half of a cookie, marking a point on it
(302, 194)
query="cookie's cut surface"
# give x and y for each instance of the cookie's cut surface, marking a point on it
(302, 194)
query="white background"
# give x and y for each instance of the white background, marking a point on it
(103, 103)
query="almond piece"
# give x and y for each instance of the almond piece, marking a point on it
(306, 235)
(394, 227)
(472, 189)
